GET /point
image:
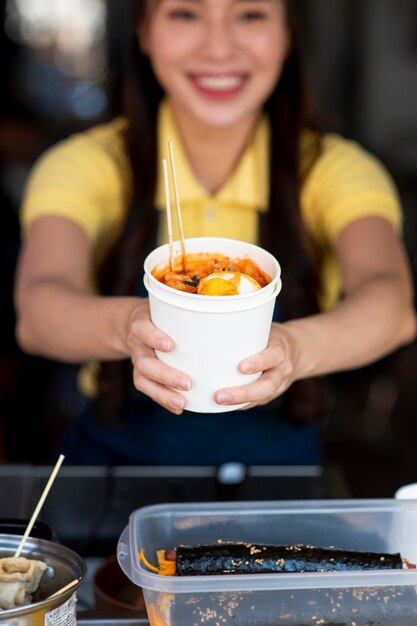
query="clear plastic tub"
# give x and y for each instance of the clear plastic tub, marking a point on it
(353, 598)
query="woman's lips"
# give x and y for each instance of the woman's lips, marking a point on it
(219, 85)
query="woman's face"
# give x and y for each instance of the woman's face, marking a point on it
(217, 60)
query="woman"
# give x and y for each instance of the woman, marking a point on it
(223, 80)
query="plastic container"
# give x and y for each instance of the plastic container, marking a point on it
(353, 598)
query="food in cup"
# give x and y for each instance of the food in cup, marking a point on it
(19, 580)
(248, 558)
(213, 274)
(227, 284)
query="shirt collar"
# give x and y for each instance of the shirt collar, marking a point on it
(248, 184)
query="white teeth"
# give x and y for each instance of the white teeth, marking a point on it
(219, 82)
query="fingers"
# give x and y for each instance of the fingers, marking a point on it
(274, 381)
(273, 356)
(259, 392)
(159, 381)
(170, 400)
(150, 376)
(143, 329)
(149, 367)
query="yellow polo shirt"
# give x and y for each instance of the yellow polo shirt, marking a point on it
(87, 179)
(233, 210)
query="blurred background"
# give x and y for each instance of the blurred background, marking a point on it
(59, 58)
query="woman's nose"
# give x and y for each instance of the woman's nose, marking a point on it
(218, 42)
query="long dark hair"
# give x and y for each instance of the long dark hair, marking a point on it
(281, 229)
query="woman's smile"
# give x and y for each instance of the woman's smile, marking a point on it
(219, 84)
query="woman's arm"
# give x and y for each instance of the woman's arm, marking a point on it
(375, 317)
(57, 317)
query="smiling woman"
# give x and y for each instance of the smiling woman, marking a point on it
(223, 80)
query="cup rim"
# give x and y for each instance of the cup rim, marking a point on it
(276, 280)
(185, 304)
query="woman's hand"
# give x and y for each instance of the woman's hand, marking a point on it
(150, 376)
(375, 316)
(278, 362)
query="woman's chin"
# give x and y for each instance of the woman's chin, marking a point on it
(220, 115)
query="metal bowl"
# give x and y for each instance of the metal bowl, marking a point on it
(64, 566)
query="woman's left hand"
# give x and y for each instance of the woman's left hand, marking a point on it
(278, 362)
(375, 316)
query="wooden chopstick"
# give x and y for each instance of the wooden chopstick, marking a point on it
(40, 504)
(178, 206)
(169, 217)
(65, 588)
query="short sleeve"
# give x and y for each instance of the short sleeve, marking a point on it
(79, 179)
(346, 184)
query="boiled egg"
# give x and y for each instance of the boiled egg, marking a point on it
(227, 284)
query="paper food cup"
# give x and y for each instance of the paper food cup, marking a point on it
(212, 334)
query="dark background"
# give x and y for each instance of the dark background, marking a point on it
(362, 58)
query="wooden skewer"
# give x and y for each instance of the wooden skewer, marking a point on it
(39, 505)
(65, 588)
(169, 217)
(178, 207)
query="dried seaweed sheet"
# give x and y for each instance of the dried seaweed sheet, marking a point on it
(246, 558)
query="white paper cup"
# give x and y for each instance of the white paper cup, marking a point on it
(212, 334)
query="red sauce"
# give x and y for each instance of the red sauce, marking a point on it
(201, 264)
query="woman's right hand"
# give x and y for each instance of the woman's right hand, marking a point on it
(150, 376)
(58, 316)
